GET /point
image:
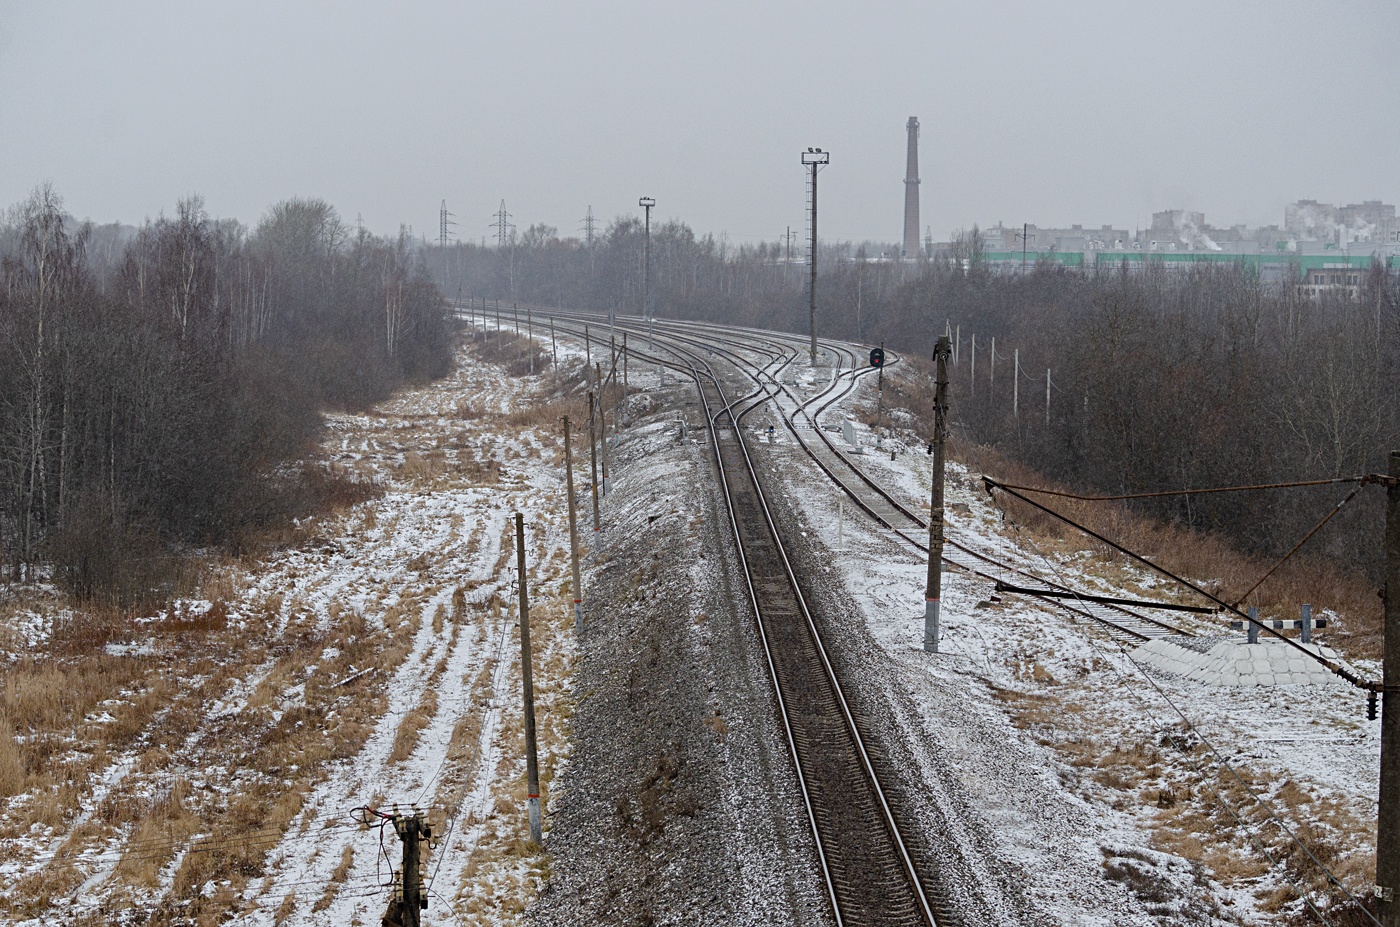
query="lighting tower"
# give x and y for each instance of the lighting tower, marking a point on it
(911, 191)
(814, 158)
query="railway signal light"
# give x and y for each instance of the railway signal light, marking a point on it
(877, 357)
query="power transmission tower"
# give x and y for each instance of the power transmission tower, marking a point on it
(444, 222)
(503, 226)
(589, 228)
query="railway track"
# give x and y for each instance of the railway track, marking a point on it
(869, 873)
(878, 502)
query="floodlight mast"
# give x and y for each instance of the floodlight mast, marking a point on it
(814, 158)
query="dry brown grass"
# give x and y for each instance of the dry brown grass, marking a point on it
(338, 877)
(164, 826)
(406, 738)
(1207, 559)
(1196, 804)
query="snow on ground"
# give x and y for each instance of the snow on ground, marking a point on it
(1106, 768)
(373, 662)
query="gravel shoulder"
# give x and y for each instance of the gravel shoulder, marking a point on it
(680, 804)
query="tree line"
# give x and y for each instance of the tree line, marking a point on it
(1159, 380)
(161, 388)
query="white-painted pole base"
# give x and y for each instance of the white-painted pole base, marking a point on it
(931, 626)
(578, 615)
(536, 834)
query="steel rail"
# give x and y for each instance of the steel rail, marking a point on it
(840, 894)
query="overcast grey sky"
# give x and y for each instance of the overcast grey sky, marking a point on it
(1051, 113)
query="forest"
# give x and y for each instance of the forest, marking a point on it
(1158, 380)
(161, 387)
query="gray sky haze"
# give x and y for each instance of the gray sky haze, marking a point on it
(1050, 113)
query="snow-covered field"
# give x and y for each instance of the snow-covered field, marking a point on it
(374, 662)
(204, 765)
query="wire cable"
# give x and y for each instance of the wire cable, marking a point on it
(1191, 727)
(1335, 668)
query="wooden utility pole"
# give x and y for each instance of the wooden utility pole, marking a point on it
(593, 460)
(532, 762)
(602, 426)
(406, 909)
(573, 527)
(1388, 818)
(933, 591)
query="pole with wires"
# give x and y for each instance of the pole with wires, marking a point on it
(593, 461)
(1016, 384)
(1388, 814)
(602, 424)
(573, 527)
(933, 590)
(532, 763)
(409, 899)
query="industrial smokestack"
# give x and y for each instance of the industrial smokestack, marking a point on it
(911, 192)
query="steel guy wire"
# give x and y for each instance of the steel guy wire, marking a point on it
(1190, 726)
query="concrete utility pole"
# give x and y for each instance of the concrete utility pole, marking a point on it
(530, 336)
(647, 203)
(553, 348)
(624, 360)
(532, 762)
(1047, 397)
(1016, 383)
(411, 828)
(933, 591)
(972, 391)
(593, 462)
(587, 354)
(573, 527)
(814, 158)
(992, 371)
(1388, 819)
